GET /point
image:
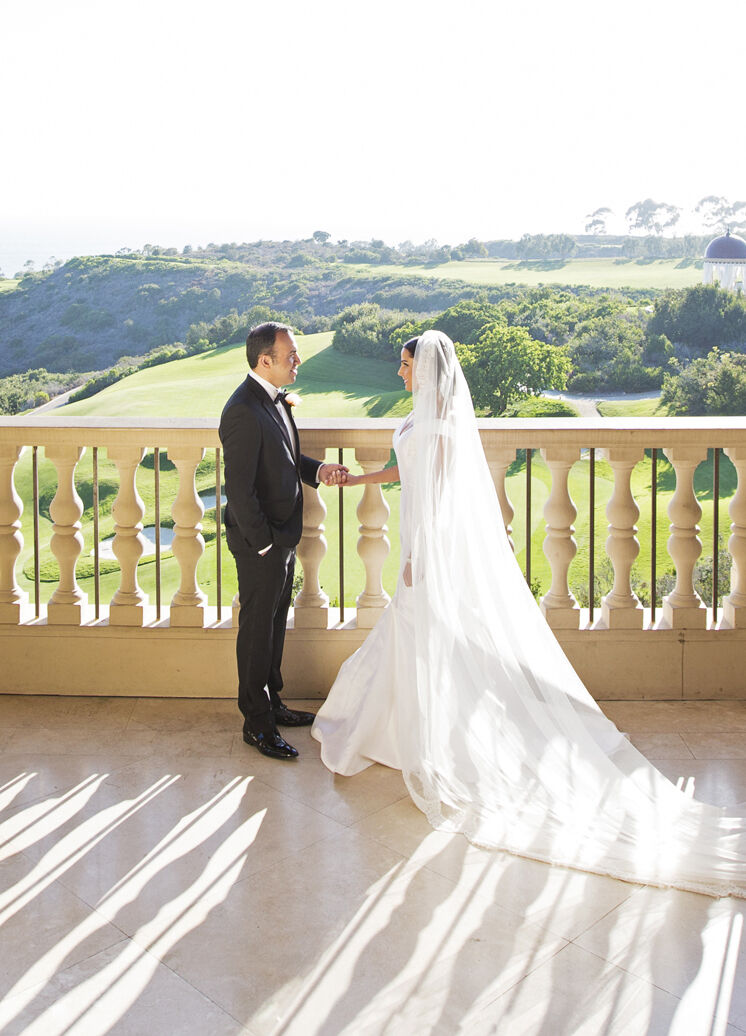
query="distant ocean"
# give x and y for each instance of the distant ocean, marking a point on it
(16, 248)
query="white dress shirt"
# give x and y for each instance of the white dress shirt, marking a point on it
(272, 392)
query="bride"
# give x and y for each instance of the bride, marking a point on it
(462, 686)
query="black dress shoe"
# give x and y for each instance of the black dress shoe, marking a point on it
(286, 717)
(270, 744)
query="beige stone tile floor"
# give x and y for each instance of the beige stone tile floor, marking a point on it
(157, 876)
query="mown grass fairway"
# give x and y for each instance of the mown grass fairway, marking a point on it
(332, 384)
(596, 273)
(648, 406)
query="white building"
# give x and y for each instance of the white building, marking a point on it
(725, 262)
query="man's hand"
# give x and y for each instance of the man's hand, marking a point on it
(333, 474)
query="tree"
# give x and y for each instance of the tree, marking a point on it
(465, 321)
(652, 217)
(597, 221)
(321, 236)
(718, 212)
(545, 246)
(364, 329)
(712, 384)
(473, 248)
(696, 319)
(608, 352)
(506, 363)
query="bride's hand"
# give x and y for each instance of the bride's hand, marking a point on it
(351, 480)
(407, 574)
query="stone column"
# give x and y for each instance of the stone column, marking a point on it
(621, 609)
(499, 460)
(312, 604)
(373, 545)
(560, 608)
(189, 602)
(683, 608)
(734, 605)
(12, 598)
(127, 604)
(68, 600)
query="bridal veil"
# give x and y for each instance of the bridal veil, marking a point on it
(509, 747)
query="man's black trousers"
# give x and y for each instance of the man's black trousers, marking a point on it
(265, 585)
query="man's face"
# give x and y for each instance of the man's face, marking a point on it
(281, 367)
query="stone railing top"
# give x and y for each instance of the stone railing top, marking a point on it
(602, 432)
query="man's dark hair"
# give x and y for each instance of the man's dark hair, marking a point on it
(261, 340)
(411, 345)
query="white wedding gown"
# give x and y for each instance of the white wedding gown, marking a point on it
(463, 687)
(369, 715)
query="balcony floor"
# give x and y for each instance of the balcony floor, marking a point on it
(158, 876)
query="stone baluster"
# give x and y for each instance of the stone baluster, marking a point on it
(127, 604)
(734, 605)
(499, 460)
(373, 545)
(560, 608)
(683, 608)
(621, 609)
(68, 600)
(12, 598)
(189, 602)
(312, 604)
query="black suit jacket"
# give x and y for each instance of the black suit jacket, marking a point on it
(262, 478)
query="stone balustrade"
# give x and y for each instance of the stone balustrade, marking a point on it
(128, 648)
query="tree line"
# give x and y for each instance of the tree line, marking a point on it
(690, 342)
(647, 221)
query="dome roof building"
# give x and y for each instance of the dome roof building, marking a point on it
(725, 262)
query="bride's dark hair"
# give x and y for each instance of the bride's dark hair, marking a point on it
(411, 345)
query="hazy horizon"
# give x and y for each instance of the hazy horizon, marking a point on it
(13, 258)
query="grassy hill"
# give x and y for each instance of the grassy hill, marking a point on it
(92, 311)
(331, 385)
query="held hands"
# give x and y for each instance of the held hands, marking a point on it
(338, 475)
(334, 474)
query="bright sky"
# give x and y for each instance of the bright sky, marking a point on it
(175, 121)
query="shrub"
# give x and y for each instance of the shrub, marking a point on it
(539, 406)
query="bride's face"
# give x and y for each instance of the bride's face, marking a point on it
(405, 369)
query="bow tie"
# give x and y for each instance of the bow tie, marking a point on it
(281, 396)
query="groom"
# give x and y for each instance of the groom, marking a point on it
(263, 523)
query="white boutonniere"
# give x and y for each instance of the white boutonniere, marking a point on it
(293, 399)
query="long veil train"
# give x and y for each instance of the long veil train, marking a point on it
(500, 739)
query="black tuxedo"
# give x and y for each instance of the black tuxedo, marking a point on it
(265, 506)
